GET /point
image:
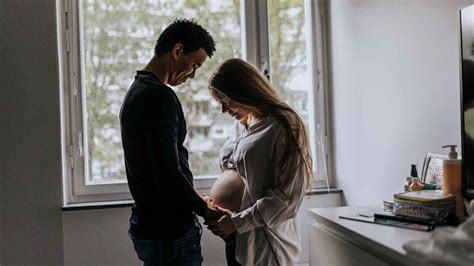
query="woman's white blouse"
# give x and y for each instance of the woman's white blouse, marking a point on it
(267, 229)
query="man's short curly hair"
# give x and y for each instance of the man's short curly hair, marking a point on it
(187, 32)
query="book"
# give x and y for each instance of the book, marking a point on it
(403, 218)
(415, 223)
(387, 218)
(406, 225)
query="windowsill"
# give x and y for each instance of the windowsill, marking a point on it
(97, 205)
(322, 191)
(129, 203)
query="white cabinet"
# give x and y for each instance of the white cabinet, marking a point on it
(335, 241)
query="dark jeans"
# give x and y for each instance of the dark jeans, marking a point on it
(230, 251)
(179, 252)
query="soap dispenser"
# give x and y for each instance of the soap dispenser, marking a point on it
(452, 180)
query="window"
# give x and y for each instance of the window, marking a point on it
(105, 42)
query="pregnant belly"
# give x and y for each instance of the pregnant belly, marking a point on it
(227, 191)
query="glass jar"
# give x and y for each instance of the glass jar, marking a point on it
(416, 184)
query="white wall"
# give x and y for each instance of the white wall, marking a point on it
(31, 193)
(99, 237)
(395, 90)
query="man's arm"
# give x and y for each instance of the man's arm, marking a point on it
(161, 126)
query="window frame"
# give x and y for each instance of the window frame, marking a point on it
(318, 65)
(255, 49)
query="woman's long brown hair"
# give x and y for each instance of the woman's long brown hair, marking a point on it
(243, 83)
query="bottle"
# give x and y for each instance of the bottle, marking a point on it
(416, 184)
(409, 179)
(408, 182)
(413, 171)
(452, 181)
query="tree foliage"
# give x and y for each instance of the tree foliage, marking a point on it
(118, 38)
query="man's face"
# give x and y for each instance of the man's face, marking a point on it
(186, 66)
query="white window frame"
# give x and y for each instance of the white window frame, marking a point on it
(318, 66)
(255, 45)
(74, 155)
(256, 50)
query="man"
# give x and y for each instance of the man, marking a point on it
(163, 225)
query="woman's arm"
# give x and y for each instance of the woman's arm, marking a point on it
(261, 164)
(227, 149)
(277, 205)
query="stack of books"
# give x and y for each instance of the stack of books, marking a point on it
(420, 210)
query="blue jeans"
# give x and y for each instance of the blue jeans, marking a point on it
(183, 251)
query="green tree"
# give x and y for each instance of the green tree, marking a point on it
(118, 39)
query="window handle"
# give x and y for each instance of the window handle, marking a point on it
(80, 144)
(265, 70)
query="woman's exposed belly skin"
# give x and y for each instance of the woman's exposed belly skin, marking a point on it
(227, 191)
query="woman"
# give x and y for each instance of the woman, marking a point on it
(270, 154)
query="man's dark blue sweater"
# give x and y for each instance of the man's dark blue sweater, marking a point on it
(153, 131)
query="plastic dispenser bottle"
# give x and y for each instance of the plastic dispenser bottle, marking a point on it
(452, 180)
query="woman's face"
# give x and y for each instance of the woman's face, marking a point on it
(235, 109)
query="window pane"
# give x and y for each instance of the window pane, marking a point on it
(288, 53)
(118, 38)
